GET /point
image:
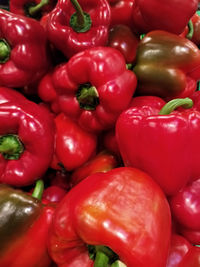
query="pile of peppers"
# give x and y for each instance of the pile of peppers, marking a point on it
(99, 133)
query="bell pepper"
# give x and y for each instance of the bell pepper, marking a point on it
(179, 247)
(53, 193)
(75, 26)
(185, 209)
(195, 20)
(121, 12)
(9, 94)
(24, 228)
(122, 38)
(26, 142)
(109, 142)
(192, 258)
(156, 138)
(73, 145)
(167, 65)
(182, 253)
(93, 88)
(101, 162)
(119, 214)
(193, 236)
(171, 16)
(32, 8)
(23, 52)
(58, 178)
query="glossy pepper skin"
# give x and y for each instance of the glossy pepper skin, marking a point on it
(153, 142)
(171, 16)
(102, 162)
(185, 209)
(35, 9)
(182, 253)
(23, 53)
(122, 38)
(26, 142)
(93, 88)
(103, 215)
(179, 247)
(121, 12)
(68, 40)
(25, 223)
(167, 65)
(73, 145)
(195, 19)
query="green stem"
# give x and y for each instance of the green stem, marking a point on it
(38, 190)
(32, 10)
(191, 30)
(11, 147)
(175, 103)
(87, 96)
(101, 259)
(80, 21)
(4, 51)
(118, 264)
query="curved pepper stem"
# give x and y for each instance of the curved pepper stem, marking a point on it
(80, 21)
(191, 30)
(4, 51)
(103, 256)
(11, 147)
(175, 103)
(87, 97)
(38, 190)
(32, 10)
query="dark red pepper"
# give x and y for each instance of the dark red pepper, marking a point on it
(24, 228)
(122, 38)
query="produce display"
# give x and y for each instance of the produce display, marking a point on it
(99, 133)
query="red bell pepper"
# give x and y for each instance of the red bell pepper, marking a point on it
(26, 142)
(185, 206)
(122, 211)
(8, 94)
(58, 177)
(179, 248)
(73, 145)
(122, 38)
(171, 16)
(195, 35)
(32, 8)
(191, 235)
(54, 193)
(192, 258)
(23, 52)
(24, 228)
(164, 70)
(121, 12)
(101, 162)
(110, 143)
(75, 26)
(157, 139)
(93, 88)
